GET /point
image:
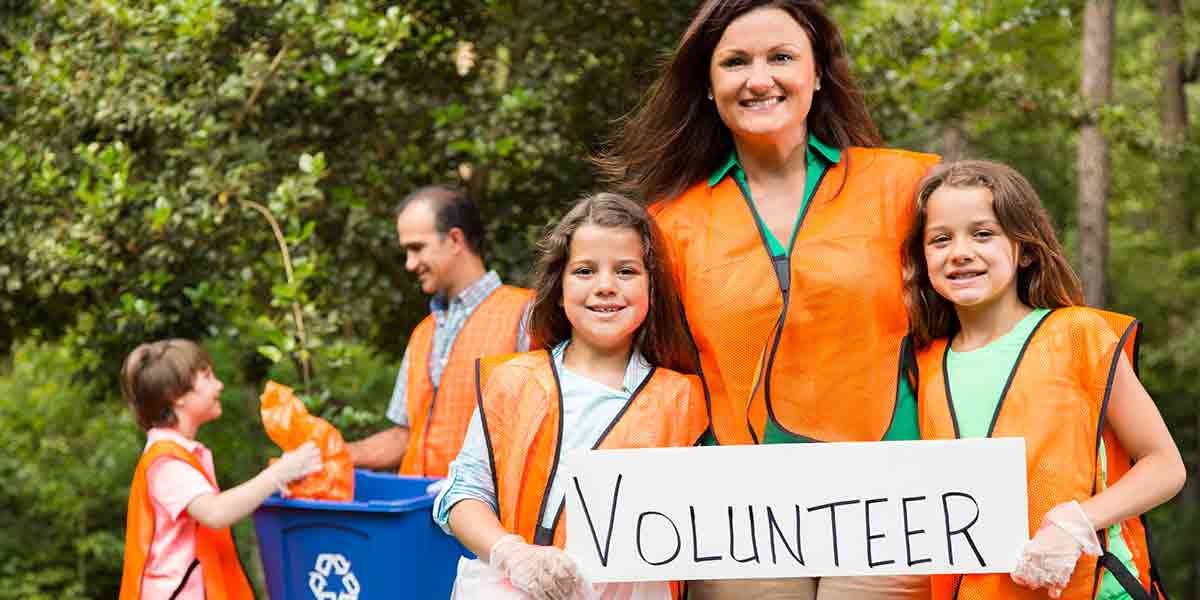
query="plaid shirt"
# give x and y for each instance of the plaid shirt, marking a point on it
(448, 319)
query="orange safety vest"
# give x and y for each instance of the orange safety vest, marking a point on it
(520, 405)
(218, 558)
(796, 340)
(1056, 399)
(438, 416)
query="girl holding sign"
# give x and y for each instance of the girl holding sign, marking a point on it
(607, 308)
(1004, 348)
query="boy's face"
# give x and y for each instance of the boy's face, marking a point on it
(202, 403)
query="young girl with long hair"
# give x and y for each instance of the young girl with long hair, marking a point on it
(1004, 348)
(607, 310)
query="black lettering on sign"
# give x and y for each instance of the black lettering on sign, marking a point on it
(678, 540)
(833, 506)
(950, 533)
(773, 526)
(870, 559)
(753, 537)
(696, 541)
(612, 517)
(908, 533)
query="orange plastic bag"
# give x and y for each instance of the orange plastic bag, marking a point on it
(289, 425)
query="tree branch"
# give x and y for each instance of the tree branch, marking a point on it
(297, 313)
(261, 83)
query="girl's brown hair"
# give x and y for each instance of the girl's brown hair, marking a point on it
(156, 374)
(1046, 282)
(676, 138)
(661, 338)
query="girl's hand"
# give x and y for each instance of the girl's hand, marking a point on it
(1049, 558)
(544, 572)
(302, 461)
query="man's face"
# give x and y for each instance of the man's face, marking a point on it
(429, 254)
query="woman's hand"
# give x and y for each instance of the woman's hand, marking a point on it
(544, 572)
(1049, 558)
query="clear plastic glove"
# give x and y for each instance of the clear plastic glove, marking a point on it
(304, 460)
(1049, 558)
(543, 572)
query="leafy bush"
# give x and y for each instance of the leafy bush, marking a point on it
(66, 464)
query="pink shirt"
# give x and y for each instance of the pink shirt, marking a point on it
(172, 485)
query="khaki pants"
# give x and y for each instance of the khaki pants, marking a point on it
(881, 587)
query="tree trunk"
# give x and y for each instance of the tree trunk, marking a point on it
(953, 142)
(1096, 90)
(1177, 210)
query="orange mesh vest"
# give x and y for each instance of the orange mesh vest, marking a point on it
(223, 575)
(811, 341)
(438, 417)
(1056, 398)
(521, 409)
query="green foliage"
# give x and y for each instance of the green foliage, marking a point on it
(138, 134)
(76, 516)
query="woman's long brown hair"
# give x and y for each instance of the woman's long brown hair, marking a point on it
(1047, 282)
(661, 338)
(676, 138)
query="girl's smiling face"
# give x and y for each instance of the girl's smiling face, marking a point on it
(970, 259)
(605, 289)
(202, 403)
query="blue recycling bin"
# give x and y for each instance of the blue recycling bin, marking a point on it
(383, 545)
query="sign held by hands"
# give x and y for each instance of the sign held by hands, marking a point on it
(798, 510)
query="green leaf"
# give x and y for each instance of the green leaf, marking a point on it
(271, 353)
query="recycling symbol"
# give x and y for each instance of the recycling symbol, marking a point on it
(334, 565)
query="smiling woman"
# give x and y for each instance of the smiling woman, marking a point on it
(763, 77)
(760, 163)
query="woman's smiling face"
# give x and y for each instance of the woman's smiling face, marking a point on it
(763, 74)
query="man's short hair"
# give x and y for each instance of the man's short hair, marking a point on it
(452, 207)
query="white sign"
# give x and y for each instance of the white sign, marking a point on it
(797, 510)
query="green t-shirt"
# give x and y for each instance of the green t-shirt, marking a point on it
(977, 380)
(818, 157)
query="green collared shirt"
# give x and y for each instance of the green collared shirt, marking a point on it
(818, 160)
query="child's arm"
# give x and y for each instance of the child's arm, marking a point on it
(476, 526)
(1157, 473)
(218, 511)
(543, 571)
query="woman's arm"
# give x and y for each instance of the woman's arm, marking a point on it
(1158, 472)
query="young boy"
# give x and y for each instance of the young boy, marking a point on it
(177, 540)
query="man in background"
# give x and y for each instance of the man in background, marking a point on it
(472, 314)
